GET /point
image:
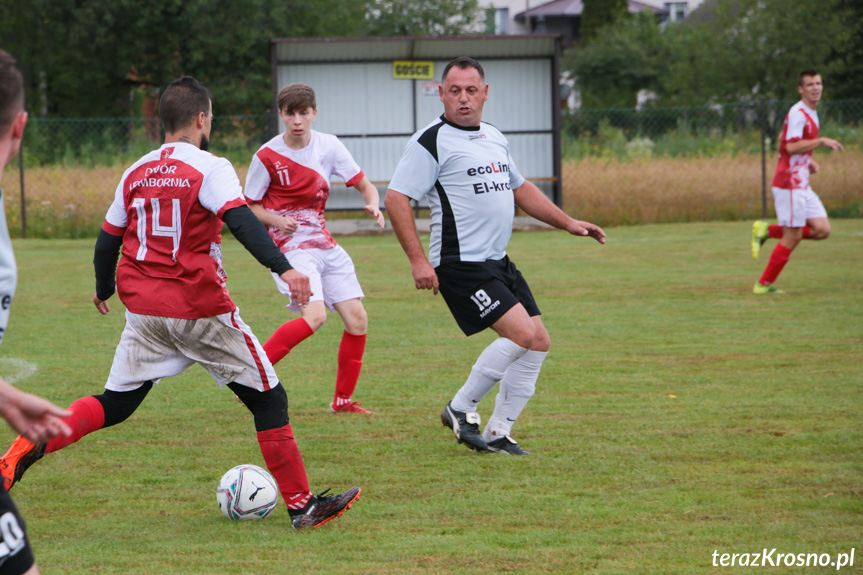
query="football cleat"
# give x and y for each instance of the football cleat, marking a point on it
(322, 508)
(351, 407)
(765, 289)
(18, 459)
(506, 445)
(759, 236)
(465, 426)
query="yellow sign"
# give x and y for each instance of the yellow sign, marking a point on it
(409, 70)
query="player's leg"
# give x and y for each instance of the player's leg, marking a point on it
(226, 347)
(516, 388)
(343, 294)
(313, 316)
(142, 357)
(790, 208)
(351, 351)
(478, 298)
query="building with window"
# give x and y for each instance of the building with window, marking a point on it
(517, 17)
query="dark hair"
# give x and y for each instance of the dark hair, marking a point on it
(296, 98)
(11, 91)
(463, 63)
(181, 103)
(808, 73)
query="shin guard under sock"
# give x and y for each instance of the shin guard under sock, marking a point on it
(351, 352)
(284, 461)
(286, 338)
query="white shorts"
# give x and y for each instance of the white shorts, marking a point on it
(794, 207)
(153, 347)
(332, 275)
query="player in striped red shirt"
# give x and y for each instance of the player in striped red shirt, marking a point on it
(287, 188)
(799, 210)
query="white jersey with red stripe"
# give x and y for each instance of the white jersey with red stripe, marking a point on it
(168, 208)
(792, 171)
(296, 183)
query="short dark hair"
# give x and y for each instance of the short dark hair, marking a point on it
(807, 73)
(182, 101)
(296, 98)
(463, 63)
(11, 92)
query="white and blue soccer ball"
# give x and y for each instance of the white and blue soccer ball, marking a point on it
(247, 492)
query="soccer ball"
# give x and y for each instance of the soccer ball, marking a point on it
(247, 492)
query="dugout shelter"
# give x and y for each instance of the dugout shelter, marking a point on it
(374, 93)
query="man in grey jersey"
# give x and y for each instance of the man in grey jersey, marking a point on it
(31, 416)
(465, 168)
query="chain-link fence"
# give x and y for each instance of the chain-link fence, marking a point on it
(619, 166)
(699, 163)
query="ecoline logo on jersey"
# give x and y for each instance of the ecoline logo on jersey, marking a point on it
(476, 137)
(166, 153)
(485, 186)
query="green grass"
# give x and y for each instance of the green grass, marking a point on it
(677, 414)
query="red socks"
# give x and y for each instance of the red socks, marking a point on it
(87, 417)
(284, 461)
(778, 259)
(350, 362)
(285, 338)
(775, 231)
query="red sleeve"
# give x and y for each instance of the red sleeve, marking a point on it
(356, 179)
(230, 205)
(112, 229)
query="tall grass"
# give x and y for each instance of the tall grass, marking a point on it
(676, 415)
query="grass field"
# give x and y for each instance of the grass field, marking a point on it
(677, 415)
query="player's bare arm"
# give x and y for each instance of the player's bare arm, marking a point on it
(535, 204)
(402, 218)
(803, 146)
(284, 224)
(372, 199)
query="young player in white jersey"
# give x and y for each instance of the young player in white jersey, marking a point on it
(799, 210)
(464, 167)
(34, 417)
(167, 218)
(287, 188)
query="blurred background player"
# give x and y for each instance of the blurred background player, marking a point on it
(799, 210)
(33, 417)
(472, 209)
(287, 187)
(167, 218)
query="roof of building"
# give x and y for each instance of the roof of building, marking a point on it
(573, 8)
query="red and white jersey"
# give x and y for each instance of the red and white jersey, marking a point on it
(792, 172)
(168, 209)
(296, 183)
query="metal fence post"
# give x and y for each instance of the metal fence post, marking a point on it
(763, 115)
(23, 201)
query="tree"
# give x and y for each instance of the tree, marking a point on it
(598, 14)
(421, 18)
(625, 59)
(846, 62)
(728, 50)
(82, 58)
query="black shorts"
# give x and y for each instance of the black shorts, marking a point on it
(479, 293)
(16, 557)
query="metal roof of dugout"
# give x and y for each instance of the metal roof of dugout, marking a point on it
(365, 99)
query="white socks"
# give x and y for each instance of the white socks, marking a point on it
(490, 367)
(516, 389)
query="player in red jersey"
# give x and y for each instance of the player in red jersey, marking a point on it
(799, 211)
(287, 187)
(167, 219)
